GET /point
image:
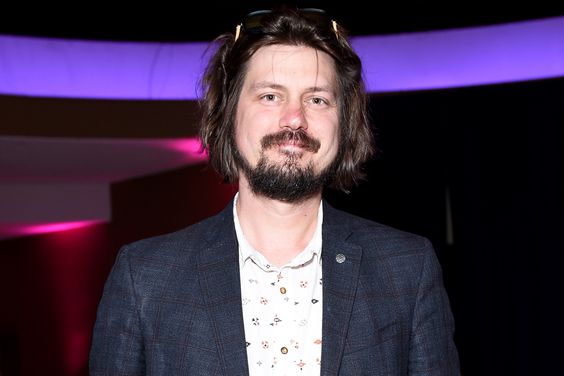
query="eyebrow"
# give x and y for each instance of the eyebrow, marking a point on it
(273, 85)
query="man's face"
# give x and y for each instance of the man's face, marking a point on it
(286, 127)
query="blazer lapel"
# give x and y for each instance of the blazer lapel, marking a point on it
(218, 267)
(341, 265)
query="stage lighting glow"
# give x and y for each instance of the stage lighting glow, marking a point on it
(519, 51)
(23, 229)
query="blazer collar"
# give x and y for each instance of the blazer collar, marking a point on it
(218, 269)
(341, 266)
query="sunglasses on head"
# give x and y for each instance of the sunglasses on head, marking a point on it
(253, 22)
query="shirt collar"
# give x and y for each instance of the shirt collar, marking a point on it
(247, 251)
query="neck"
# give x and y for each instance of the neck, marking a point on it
(277, 229)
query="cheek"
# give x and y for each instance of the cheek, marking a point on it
(248, 136)
(242, 128)
(332, 141)
(252, 124)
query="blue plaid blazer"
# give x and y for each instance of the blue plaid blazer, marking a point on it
(172, 304)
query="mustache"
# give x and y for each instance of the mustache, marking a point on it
(298, 137)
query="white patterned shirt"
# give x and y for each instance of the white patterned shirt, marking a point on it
(282, 308)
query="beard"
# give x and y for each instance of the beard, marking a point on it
(285, 180)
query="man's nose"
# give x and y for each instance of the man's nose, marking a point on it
(293, 116)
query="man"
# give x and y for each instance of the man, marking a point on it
(279, 283)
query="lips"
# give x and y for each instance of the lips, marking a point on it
(293, 144)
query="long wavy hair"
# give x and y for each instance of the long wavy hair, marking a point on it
(225, 73)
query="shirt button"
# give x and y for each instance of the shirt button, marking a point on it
(284, 350)
(283, 290)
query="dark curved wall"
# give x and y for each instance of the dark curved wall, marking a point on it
(498, 151)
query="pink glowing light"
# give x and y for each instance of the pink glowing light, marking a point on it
(78, 345)
(190, 147)
(15, 230)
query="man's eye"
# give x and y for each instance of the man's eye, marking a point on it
(269, 97)
(318, 101)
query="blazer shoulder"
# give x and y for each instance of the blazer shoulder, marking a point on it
(381, 238)
(183, 242)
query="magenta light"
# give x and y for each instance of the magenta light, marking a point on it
(416, 61)
(77, 347)
(45, 228)
(93, 159)
(191, 148)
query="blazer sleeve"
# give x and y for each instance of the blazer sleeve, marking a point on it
(432, 348)
(117, 343)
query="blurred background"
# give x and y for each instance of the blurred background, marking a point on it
(98, 148)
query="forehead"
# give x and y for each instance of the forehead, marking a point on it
(291, 64)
